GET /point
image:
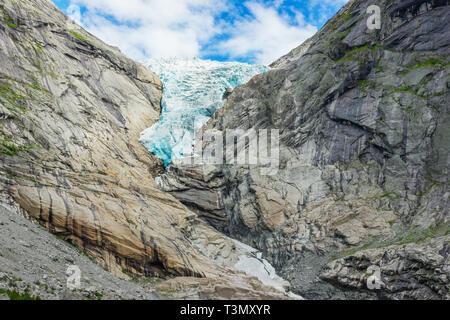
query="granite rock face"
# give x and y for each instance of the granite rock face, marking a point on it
(363, 117)
(409, 271)
(71, 112)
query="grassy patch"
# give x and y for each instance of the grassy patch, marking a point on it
(37, 47)
(410, 235)
(12, 176)
(404, 90)
(9, 148)
(363, 85)
(12, 150)
(350, 55)
(8, 20)
(430, 62)
(433, 62)
(391, 196)
(419, 235)
(94, 295)
(16, 93)
(15, 295)
(168, 294)
(143, 280)
(12, 25)
(10, 94)
(340, 20)
(78, 36)
(168, 291)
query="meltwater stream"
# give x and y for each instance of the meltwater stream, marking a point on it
(193, 90)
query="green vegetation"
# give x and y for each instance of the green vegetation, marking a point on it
(433, 62)
(419, 235)
(168, 291)
(410, 235)
(169, 294)
(37, 47)
(11, 175)
(350, 55)
(143, 280)
(403, 90)
(415, 90)
(391, 196)
(344, 17)
(10, 94)
(363, 85)
(340, 20)
(341, 35)
(16, 279)
(78, 36)
(12, 25)
(42, 285)
(8, 148)
(15, 94)
(430, 62)
(7, 19)
(14, 295)
(94, 295)
(364, 48)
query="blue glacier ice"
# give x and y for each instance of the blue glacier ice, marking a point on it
(193, 90)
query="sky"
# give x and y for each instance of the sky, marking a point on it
(252, 31)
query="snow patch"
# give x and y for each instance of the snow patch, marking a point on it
(251, 262)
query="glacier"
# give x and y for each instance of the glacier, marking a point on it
(192, 90)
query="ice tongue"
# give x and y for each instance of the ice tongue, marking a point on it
(193, 90)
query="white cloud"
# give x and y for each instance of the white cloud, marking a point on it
(188, 28)
(266, 35)
(323, 9)
(150, 28)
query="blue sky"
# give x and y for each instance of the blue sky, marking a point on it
(253, 31)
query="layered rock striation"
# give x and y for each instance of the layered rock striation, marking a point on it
(71, 112)
(363, 117)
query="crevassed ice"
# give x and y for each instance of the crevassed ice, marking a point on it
(193, 90)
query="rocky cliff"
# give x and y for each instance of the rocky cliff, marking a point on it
(71, 111)
(363, 183)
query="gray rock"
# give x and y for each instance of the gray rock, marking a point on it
(227, 93)
(363, 118)
(412, 271)
(18, 275)
(71, 112)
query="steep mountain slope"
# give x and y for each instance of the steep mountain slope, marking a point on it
(363, 182)
(71, 112)
(35, 262)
